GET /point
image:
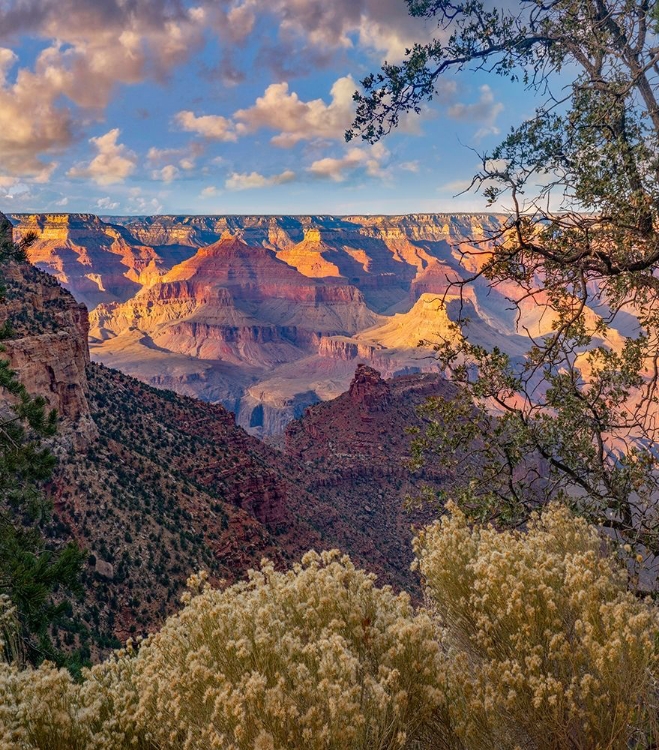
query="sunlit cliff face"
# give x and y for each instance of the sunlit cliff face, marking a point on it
(275, 312)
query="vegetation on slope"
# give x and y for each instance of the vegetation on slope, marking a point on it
(35, 573)
(528, 640)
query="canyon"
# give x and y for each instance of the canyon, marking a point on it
(311, 343)
(268, 315)
(155, 485)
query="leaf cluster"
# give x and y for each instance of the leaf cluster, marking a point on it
(577, 258)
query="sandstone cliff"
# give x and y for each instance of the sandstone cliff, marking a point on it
(264, 313)
(47, 346)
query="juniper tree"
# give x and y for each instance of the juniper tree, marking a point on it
(578, 417)
(34, 575)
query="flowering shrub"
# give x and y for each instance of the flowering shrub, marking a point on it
(314, 658)
(545, 647)
(529, 640)
(317, 657)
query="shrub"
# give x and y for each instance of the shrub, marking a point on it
(529, 640)
(317, 657)
(545, 647)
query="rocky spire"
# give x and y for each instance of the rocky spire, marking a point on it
(368, 389)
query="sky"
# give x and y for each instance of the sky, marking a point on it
(119, 107)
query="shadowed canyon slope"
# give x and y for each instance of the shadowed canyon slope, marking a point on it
(155, 485)
(267, 314)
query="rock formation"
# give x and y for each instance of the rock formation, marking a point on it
(368, 390)
(355, 450)
(268, 314)
(47, 345)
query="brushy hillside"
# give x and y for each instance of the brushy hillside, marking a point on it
(153, 485)
(529, 640)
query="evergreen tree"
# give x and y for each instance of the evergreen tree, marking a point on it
(578, 418)
(34, 576)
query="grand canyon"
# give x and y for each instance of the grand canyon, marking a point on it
(268, 315)
(153, 484)
(329, 375)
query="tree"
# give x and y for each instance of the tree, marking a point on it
(32, 572)
(577, 418)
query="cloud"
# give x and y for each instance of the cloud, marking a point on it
(107, 204)
(337, 169)
(485, 111)
(381, 25)
(31, 123)
(141, 205)
(91, 48)
(169, 163)
(409, 166)
(209, 192)
(168, 173)
(113, 162)
(237, 181)
(282, 110)
(97, 45)
(213, 127)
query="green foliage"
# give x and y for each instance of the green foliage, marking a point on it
(15, 251)
(578, 413)
(32, 574)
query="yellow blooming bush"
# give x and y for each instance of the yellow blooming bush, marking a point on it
(545, 647)
(318, 657)
(529, 640)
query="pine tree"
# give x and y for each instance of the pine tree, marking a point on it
(34, 576)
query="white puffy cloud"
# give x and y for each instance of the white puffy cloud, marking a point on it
(97, 45)
(107, 204)
(249, 181)
(212, 127)
(282, 110)
(209, 192)
(31, 123)
(168, 173)
(485, 111)
(337, 169)
(113, 162)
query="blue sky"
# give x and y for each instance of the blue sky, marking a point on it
(227, 106)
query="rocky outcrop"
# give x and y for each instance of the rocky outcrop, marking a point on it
(47, 346)
(356, 449)
(368, 390)
(346, 349)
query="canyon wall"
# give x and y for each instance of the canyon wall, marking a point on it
(46, 344)
(270, 314)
